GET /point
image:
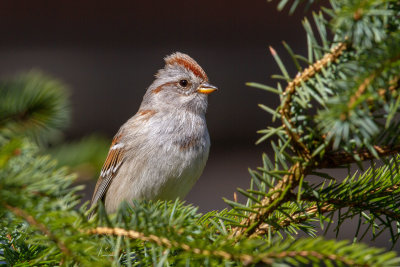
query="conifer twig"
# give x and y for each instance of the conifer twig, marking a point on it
(246, 259)
(339, 158)
(162, 241)
(367, 81)
(9, 237)
(291, 89)
(297, 217)
(32, 221)
(336, 203)
(276, 195)
(331, 205)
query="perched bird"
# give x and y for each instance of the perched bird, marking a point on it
(161, 151)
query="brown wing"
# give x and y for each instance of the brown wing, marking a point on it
(110, 168)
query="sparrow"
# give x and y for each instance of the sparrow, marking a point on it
(160, 152)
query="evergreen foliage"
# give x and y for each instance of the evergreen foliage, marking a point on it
(33, 105)
(341, 108)
(88, 162)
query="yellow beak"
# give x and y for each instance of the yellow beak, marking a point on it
(206, 88)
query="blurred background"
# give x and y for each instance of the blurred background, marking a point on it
(107, 52)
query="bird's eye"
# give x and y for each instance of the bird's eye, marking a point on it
(183, 83)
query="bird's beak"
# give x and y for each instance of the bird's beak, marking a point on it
(206, 88)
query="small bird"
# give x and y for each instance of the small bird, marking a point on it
(161, 151)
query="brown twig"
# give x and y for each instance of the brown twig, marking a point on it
(277, 195)
(367, 81)
(361, 89)
(297, 217)
(246, 259)
(334, 160)
(330, 206)
(394, 83)
(9, 237)
(335, 204)
(162, 241)
(32, 221)
(291, 89)
(339, 158)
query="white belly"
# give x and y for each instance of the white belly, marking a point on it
(166, 170)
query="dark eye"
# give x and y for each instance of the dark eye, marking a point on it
(183, 83)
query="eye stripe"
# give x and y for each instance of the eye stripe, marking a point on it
(161, 87)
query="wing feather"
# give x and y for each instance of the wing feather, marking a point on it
(110, 169)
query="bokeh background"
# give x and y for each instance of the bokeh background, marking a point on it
(107, 52)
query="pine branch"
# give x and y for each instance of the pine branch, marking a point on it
(277, 195)
(165, 242)
(320, 256)
(332, 205)
(295, 218)
(358, 77)
(32, 221)
(333, 147)
(354, 100)
(34, 105)
(335, 204)
(336, 159)
(246, 259)
(300, 78)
